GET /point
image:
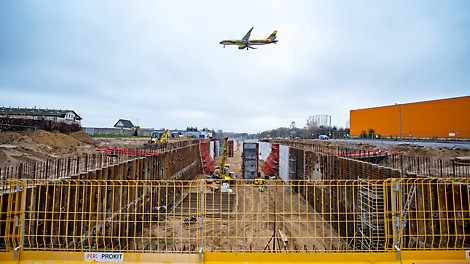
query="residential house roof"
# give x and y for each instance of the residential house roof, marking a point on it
(37, 112)
(124, 123)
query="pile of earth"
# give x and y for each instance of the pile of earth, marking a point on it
(29, 146)
(434, 152)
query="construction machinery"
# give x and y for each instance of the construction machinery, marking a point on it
(261, 183)
(158, 137)
(223, 171)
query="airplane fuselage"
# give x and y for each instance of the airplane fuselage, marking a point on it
(250, 42)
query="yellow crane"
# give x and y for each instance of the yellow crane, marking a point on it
(224, 168)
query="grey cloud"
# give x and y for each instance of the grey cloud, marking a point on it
(160, 62)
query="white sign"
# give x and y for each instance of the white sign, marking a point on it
(468, 254)
(103, 257)
(451, 134)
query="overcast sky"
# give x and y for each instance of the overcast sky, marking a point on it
(160, 64)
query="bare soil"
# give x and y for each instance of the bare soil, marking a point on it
(256, 220)
(40, 145)
(412, 151)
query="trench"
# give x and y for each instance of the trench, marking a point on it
(154, 203)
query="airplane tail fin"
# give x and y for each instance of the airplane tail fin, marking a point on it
(273, 35)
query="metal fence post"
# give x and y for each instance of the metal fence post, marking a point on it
(396, 217)
(20, 222)
(201, 211)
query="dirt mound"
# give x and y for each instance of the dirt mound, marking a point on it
(9, 137)
(5, 159)
(30, 146)
(82, 136)
(56, 141)
(25, 143)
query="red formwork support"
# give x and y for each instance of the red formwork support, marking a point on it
(208, 164)
(271, 165)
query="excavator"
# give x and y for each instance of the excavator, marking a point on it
(158, 137)
(261, 183)
(164, 137)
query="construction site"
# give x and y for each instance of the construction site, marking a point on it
(72, 198)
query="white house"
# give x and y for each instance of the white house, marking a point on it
(124, 123)
(56, 115)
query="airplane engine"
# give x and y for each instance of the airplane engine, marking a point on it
(241, 47)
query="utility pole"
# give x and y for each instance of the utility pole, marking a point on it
(329, 127)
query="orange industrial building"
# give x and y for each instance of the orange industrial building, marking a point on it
(445, 118)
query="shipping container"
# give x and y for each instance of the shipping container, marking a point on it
(445, 118)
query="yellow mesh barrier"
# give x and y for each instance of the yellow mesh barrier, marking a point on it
(11, 215)
(125, 216)
(434, 214)
(339, 216)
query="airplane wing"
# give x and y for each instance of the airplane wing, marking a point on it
(247, 36)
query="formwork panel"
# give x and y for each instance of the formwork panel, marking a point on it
(250, 160)
(284, 162)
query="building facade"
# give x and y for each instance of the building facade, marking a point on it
(55, 115)
(445, 118)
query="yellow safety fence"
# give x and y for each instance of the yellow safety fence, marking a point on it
(211, 221)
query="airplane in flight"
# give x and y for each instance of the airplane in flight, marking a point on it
(248, 43)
